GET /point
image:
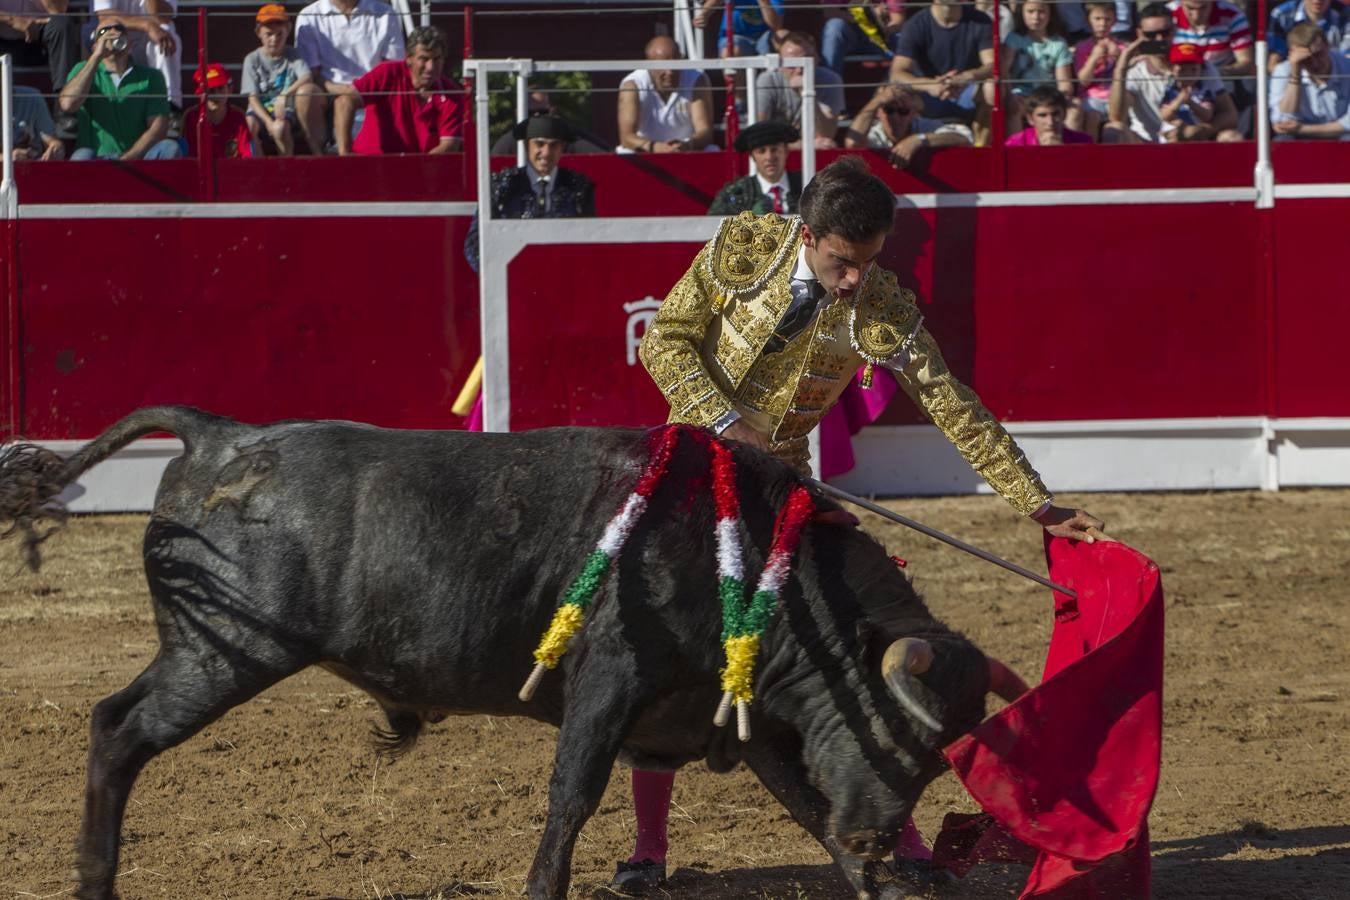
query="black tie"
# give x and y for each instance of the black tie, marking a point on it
(542, 200)
(805, 297)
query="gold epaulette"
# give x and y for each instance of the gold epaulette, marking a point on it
(747, 250)
(884, 320)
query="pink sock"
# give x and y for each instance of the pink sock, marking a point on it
(910, 845)
(651, 805)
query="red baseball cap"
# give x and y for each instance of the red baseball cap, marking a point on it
(1186, 53)
(214, 76)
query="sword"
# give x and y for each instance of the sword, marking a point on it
(938, 535)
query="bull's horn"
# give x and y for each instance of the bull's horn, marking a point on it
(906, 657)
(1004, 682)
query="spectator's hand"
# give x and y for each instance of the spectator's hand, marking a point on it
(29, 26)
(1130, 50)
(667, 146)
(1298, 56)
(1108, 47)
(902, 154)
(22, 154)
(740, 431)
(102, 47)
(161, 38)
(1078, 524)
(1287, 126)
(54, 151)
(824, 142)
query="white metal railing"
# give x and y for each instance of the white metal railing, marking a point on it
(8, 191)
(523, 68)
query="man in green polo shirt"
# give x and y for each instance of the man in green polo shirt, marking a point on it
(123, 109)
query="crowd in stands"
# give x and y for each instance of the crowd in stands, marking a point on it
(346, 80)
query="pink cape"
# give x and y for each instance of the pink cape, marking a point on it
(1067, 773)
(857, 408)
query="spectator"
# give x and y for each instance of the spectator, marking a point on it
(664, 110)
(754, 24)
(154, 42)
(37, 32)
(946, 53)
(1221, 32)
(1045, 110)
(1035, 55)
(411, 106)
(1143, 77)
(122, 108)
(540, 104)
(274, 77)
(1329, 15)
(1310, 90)
(778, 93)
(541, 189)
(866, 28)
(1094, 60)
(772, 189)
(225, 124)
(341, 40)
(32, 127)
(893, 120)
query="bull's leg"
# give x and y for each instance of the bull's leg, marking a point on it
(787, 780)
(599, 715)
(175, 697)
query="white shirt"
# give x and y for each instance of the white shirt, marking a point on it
(128, 7)
(782, 185)
(342, 48)
(669, 119)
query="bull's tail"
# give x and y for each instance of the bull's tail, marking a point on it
(31, 476)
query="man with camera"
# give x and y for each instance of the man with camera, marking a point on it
(122, 108)
(1149, 89)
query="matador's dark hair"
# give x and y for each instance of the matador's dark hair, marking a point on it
(846, 199)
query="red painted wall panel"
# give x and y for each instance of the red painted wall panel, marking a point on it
(1312, 316)
(375, 320)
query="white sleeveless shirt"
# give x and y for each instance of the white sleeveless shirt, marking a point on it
(669, 119)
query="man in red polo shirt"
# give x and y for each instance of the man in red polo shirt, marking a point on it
(411, 107)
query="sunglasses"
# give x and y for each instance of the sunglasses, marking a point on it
(1156, 35)
(119, 27)
(897, 110)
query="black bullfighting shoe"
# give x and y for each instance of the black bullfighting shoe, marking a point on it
(636, 877)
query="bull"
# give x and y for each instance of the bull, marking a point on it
(421, 567)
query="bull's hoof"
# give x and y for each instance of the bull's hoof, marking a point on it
(638, 877)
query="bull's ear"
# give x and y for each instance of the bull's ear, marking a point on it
(866, 632)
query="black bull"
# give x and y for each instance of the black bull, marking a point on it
(424, 566)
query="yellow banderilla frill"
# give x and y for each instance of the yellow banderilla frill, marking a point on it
(567, 620)
(738, 678)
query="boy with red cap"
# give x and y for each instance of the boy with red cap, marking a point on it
(225, 125)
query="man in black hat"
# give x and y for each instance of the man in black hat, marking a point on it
(539, 190)
(772, 189)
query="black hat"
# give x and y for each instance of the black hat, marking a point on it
(762, 134)
(549, 127)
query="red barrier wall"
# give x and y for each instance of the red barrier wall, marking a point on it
(1053, 312)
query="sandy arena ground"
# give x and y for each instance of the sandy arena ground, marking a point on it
(284, 797)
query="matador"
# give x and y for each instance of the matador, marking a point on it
(760, 337)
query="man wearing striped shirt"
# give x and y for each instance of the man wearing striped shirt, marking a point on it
(1330, 16)
(1220, 30)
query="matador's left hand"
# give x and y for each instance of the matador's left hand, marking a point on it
(1078, 524)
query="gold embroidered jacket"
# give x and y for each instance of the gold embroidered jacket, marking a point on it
(705, 348)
